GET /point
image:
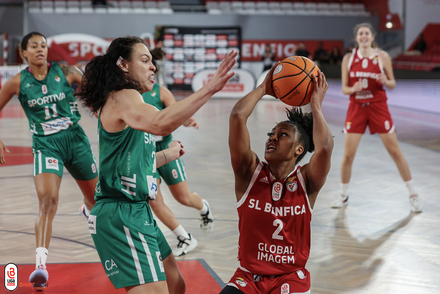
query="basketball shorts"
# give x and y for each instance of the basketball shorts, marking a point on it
(129, 243)
(296, 282)
(173, 172)
(374, 114)
(69, 148)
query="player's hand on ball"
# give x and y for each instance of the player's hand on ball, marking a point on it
(320, 88)
(267, 83)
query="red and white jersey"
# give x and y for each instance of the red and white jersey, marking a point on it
(274, 223)
(366, 70)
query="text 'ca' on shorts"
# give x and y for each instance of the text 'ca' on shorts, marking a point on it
(69, 148)
(129, 243)
(374, 114)
(297, 282)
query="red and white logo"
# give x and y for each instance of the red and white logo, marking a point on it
(277, 190)
(44, 89)
(285, 288)
(11, 277)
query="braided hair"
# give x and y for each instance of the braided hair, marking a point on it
(303, 123)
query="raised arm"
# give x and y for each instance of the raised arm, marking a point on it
(315, 172)
(131, 109)
(243, 159)
(9, 89)
(167, 99)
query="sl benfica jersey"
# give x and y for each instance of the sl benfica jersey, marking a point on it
(366, 70)
(274, 223)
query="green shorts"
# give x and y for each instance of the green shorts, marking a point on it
(173, 172)
(129, 243)
(69, 148)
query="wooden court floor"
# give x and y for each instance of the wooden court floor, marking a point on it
(375, 245)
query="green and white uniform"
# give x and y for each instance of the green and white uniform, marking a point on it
(173, 172)
(58, 140)
(129, 242)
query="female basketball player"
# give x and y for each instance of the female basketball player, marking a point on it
(276, 198)
(365, 72)
(132, 249)
(46, 95)
(174, 176)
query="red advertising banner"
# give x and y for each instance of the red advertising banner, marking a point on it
(252, 50)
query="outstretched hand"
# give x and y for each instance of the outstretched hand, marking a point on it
(222, 74)
(3, 149)
(320, 88)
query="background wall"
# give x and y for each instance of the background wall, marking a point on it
(256, 27)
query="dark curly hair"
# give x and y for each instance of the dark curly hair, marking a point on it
(102, 76)
(303, 123)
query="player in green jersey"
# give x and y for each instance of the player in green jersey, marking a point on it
(138, 258)
(174, 175)
(46, 95)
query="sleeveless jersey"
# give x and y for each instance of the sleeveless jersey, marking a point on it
(153, 98)
(49, 104)
(127, 161)
(274, 231)
(366, 69)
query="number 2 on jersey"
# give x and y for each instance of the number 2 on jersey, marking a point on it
(47, 111)
(279, 224)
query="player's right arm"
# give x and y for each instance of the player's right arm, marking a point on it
(346, 88)
(8, 90)
(243, 159)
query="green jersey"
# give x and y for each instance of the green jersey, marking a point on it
(49, 104)
(127, 162)
(153, 98)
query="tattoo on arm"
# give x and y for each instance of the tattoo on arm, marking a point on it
(70, 70)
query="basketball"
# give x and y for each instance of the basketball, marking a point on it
(292, 80)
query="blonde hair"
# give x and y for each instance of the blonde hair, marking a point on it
(368, 26)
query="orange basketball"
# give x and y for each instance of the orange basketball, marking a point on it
(292, 80)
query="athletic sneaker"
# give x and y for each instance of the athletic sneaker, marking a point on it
(82, 210)
(416, 203)
(207, 220)
(39, 278)
(185, 245)
(340, 201)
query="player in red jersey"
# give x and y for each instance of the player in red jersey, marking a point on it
(364, 73)
(276, 198)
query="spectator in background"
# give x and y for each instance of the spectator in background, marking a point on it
(267, 58)
(321, 55)
(419, 48)
(335, 56)
(301, 50)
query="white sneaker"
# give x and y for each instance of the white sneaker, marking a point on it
(340, 201)
(185, 245)
(207, 220)
(39, 278)
(416, 203)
